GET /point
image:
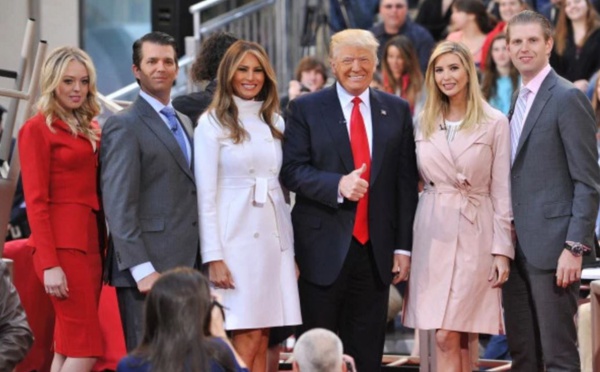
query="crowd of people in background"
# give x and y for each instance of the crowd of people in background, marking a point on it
(505, 215)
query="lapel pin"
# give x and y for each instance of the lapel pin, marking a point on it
(383, 112)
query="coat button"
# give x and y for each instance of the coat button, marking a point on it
(431, 183)
(251, 170)
(194, 223)
(256, 235)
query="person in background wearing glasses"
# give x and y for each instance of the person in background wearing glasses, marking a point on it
(395, 21)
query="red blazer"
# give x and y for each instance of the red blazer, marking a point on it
(59, 172)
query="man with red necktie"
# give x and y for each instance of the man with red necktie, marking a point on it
(349, 155)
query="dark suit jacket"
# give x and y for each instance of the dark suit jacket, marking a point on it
(317, 153)
(555, 176)
(149, 194)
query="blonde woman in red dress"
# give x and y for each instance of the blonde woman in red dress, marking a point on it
(58, 149)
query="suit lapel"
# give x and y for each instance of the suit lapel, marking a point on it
(333, 119)
(156, 125)
(380, 126)
(542, 97)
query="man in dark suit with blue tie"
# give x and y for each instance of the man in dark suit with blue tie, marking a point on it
(349, 155)
(148, 187)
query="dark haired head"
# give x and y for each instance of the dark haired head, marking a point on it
(177, 315)
(310, 63)
(484, 21)
(155, 37)
(207, 61)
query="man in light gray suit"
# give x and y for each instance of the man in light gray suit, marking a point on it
(555, 183)
(148, 187)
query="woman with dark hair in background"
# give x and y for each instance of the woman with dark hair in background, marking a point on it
(245, 225)
(576, 52)
(401, 72)
(183, 329)
(204, 70)
(471, 23)
(58, 148)
(500, 77)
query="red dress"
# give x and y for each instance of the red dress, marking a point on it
(59, 172)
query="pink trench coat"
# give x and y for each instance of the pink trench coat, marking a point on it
(462, 219)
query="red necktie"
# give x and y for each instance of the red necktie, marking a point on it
(361, 154)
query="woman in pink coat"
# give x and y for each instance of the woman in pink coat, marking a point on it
(462, 241)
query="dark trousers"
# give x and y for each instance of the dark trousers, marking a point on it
(131, 309)
(354, 306)
(539, 318)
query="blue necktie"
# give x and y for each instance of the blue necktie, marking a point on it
(177, 130)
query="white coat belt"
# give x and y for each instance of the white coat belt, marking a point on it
(267, 187)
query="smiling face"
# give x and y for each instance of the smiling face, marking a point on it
(451, 76)
(73, 88)
(354, 67)
(248, 78)
(158, 70)
(576, 10)
(528, 50)
(500, 53)
(395, 61)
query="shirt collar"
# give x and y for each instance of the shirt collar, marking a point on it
(156, 104)
(346, 98)
(535, 83)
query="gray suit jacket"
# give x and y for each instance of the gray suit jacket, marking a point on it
(149, 194)
(555, 175)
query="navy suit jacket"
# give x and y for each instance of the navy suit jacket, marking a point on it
(317, 153)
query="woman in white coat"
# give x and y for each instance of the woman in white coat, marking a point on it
(245, 225)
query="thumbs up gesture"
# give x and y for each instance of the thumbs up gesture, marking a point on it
(352, 186)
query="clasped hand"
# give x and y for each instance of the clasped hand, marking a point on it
(352, 186)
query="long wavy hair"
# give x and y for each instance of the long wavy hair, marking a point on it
(176, 317)
(564, 27)
(223, 107)
(411, 69)
(491, 73)
(53, 71)
(437, 104)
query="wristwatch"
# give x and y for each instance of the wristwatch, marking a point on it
(576, 249)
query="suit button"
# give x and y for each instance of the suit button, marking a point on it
(251, 170)
(256, 235)
(194, 192)
(194, 223)
(431, 183)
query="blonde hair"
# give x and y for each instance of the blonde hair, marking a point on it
(356, 38)
(53, 70)
(223, 107)
(437, 104)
